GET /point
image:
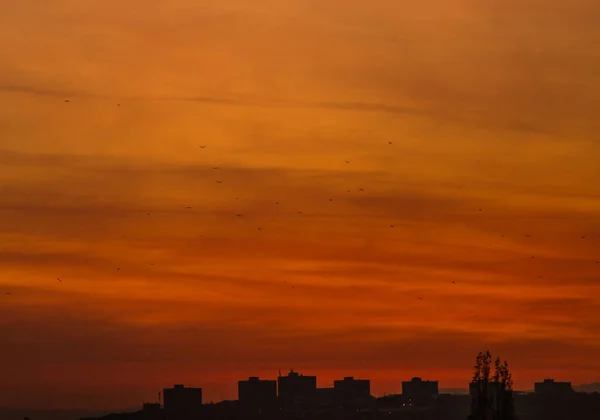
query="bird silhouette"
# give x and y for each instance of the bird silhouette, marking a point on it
(188, 207)
(66, 100)
(331, 199)
(389, 142)
(479, 209)
(118, 268)
(300, 212)
(219, 182)
(347, 161)
(277, 202)
(202, 147)
(239, 215)
(7, 293)
(58, 280)
(391, 226)
(529, 236)
(420, 298)
(215, 167)
(583, 237)
(258, 228)
(118, 104)
(148, 214)
(453, 283)
(360, 189)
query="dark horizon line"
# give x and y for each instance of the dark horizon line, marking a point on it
(132, 409)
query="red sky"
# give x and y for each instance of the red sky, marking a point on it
(491, 108)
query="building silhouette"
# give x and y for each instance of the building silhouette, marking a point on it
(550, 387)
(152, 411)
(324, 397)
(257, 393)
(350, 390)
(295, 388)
(181, 403)
(418, 390)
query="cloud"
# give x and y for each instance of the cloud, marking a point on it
(231, 100)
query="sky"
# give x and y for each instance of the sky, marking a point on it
(443, 155)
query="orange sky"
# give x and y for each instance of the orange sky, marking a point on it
(488, 105)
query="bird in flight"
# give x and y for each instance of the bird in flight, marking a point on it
(300, 212)
(277, 202)
(583, 237)
(258, 228)
(58, 280)
(215, 167)
(389, 142)
(529, 236)
(188, 207)
(202, 147)
(118, 104)
(118, 268)
(331, 199)
(347, 161)
(66, 100)
(148, 214)
(360, 189)
(479, 209)
(239, 215)
(219, 182)
(420, 298)
(391, 226)
(7, 293)
(453, 282)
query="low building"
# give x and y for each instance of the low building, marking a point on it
(182, 402)
(350, 390)
(295, 387)
(257, 393)
(419, 390)
(550, 387)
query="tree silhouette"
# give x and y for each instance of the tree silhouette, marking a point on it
(491, 395)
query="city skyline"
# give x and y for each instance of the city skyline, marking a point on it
(546, 386)
(195, 191)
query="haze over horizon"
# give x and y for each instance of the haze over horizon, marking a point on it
(129, 268)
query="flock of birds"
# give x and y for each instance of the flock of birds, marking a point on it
(203, 146)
